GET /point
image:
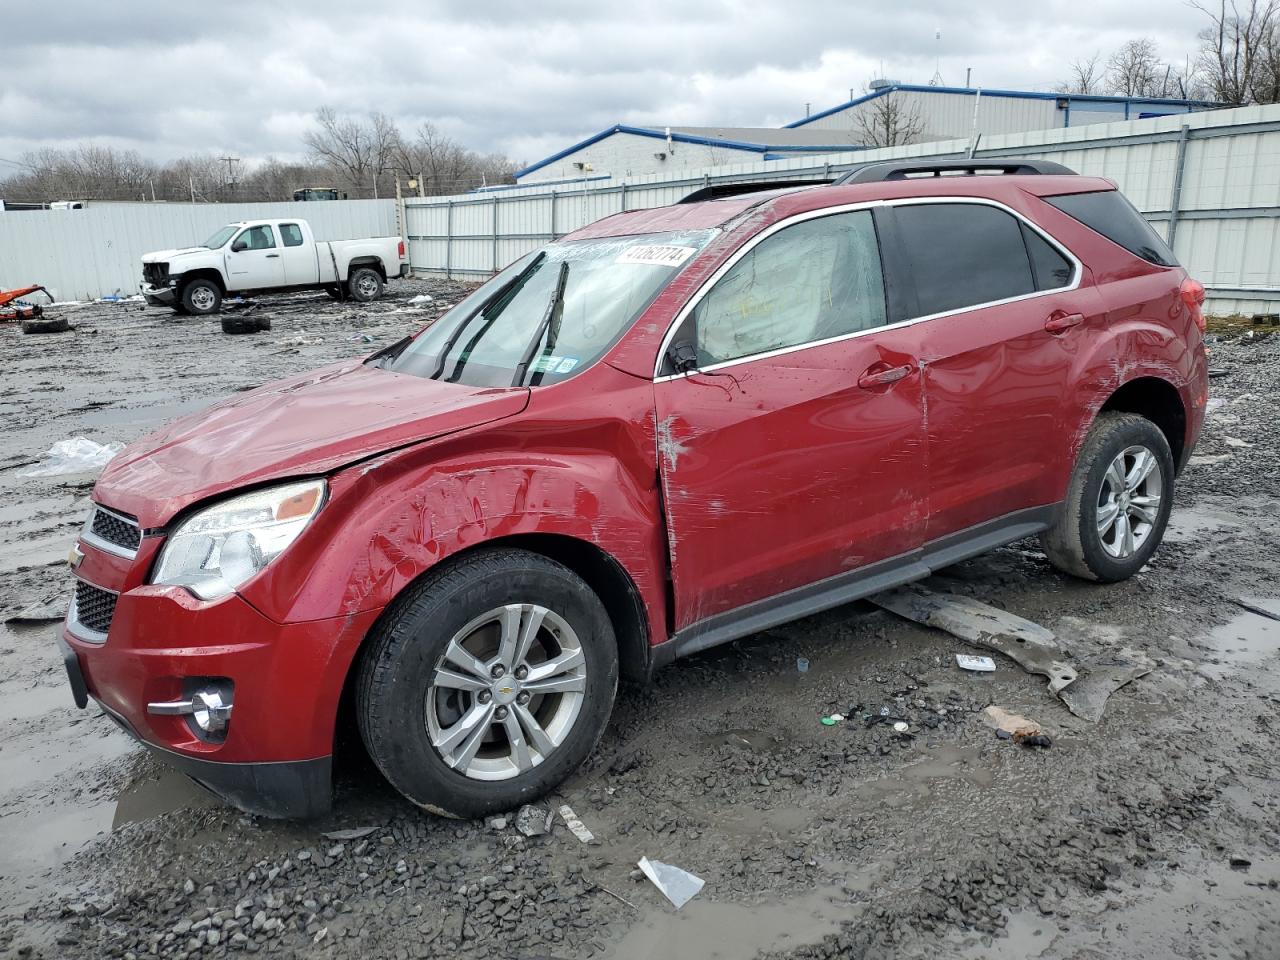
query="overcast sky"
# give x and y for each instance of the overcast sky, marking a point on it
(524, 79)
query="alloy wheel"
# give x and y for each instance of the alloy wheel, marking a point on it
(507, 692)
(202, 298)
(367, 285)
(1129, 501)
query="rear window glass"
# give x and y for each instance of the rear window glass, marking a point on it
(1051, 268)
(1113, 216)
(962, 255)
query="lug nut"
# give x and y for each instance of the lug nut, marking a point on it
(522, 699)
(501, 713)
(497, 671)
(522, 672)
(484, 696)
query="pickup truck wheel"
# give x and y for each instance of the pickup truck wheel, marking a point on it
(1118, 501)
(487, 683)
(364, 284)
(201, 297)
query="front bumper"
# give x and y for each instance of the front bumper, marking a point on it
(276, 757)
(164, 296)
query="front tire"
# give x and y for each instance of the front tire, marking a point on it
(488, 683)
(364, 284)
(201, 297)
(1118, 501)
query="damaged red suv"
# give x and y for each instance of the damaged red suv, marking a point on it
(667, 430)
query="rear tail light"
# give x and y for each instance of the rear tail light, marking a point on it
(400, 249)
(1192, 293)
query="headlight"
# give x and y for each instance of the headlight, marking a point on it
(218, 549)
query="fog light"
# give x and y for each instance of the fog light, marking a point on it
(208, 707)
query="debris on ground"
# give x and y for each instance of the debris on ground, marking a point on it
(1010, 723)
(802, 664)
(76, 455)
(1254, 606)
(1084, 688)
(533, 821)
(243, 323)
(421, 299)
(47, 325)
(832, 719)
(42, 611)
(967, 661)
(354, 833)
(678, 886)
(576, 826)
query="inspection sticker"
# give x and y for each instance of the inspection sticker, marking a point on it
(657, 254)
(553, 364)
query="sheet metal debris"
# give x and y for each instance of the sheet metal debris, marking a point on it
(533, 821)
(1083, 687)
(967, 661)
(355, 833)
(678, 886)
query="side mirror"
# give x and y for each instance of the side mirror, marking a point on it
(239, 245)
(683, 357)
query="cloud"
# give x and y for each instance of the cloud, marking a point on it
(243, 78)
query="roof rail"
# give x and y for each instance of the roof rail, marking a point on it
(721, 191)
(907, 169)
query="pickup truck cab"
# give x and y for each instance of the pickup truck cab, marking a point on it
(268, 256)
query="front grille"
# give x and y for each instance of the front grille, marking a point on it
(115, 528)
(156, 274)
(94, 607)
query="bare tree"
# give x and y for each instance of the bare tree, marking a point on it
(1086, 76)
(359, 150)
(1134, 69)
(1233, 45)
(1265, 86)
(442, 165)
(888, 121)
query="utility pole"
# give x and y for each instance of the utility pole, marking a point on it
(231, 171)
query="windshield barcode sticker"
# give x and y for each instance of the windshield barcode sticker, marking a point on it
(662, 255)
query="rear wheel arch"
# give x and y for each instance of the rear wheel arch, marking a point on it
(373, 262)
(1157, 400)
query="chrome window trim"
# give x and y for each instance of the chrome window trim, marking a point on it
(77, 628)
(691, 305)
(91, 538)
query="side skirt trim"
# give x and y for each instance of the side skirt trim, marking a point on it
(853, 585)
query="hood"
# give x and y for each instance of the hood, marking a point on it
(304, 426)
(158, 256)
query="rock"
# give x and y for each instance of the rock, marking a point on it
(533, 821)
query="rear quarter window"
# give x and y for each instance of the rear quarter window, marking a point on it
(1109, 213)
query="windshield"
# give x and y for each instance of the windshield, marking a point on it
(549, 315)
(221, 237)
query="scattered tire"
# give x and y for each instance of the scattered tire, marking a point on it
(46, 325)
(201, 297)
(508, 661)
(234, 324)
(1118, 501)
(364, 284)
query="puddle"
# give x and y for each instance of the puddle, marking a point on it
(730, 931)
(1249, 640)
(918, 779)
(23, 703)
(1190, 524)
(146, 415)
(163, 793)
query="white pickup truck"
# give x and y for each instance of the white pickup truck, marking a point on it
(264, 256)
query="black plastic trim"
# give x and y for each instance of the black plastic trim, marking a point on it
(853, 585)
(905, 169)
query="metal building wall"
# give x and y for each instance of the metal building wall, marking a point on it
(1223, 211)
(95, 252)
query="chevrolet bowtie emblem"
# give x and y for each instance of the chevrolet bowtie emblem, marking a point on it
(506, 691)
(75, 557)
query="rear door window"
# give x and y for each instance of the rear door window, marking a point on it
(291, 234)
(1051, 269)
(809, 282)
(1109, 213)
(962, 255)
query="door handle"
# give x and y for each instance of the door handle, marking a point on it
(272, 256)
(1060, 322)
(882, 375)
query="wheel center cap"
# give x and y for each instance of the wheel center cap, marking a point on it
(506, 690)
(1124, 501)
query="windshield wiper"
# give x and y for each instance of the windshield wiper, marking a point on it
(517, 280)
(550, 321)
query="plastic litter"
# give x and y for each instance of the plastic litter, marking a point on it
(576, 826)
(678, 886)
(832, 720)
(802, 664)
(902, 726)
(967, 661)
(420, 299)
(77, 455)
(533, 821)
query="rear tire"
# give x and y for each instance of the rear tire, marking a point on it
(364, 284)
(1118, 501)
(201, 297)
(465, 724)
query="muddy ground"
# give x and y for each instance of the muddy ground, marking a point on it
(1153, 833)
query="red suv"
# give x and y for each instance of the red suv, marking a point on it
(667, 430)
